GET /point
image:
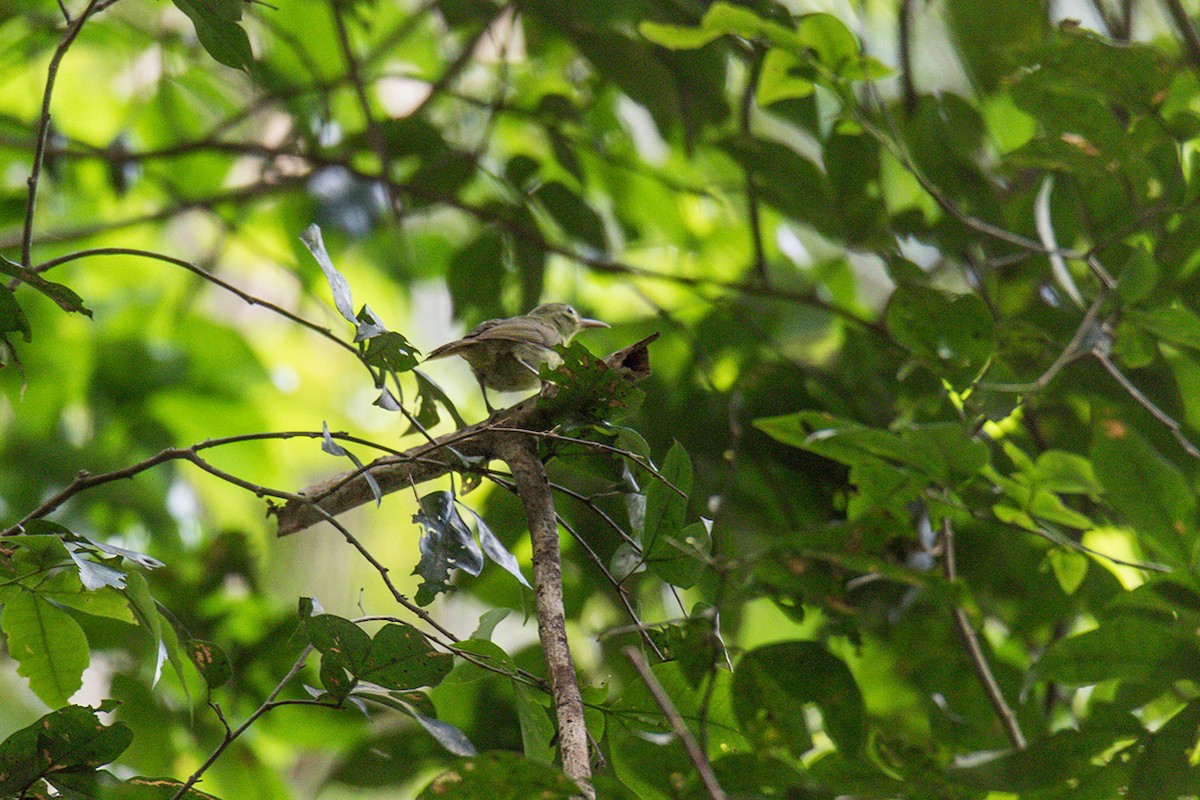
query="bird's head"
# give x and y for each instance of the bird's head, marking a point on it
(564, 319)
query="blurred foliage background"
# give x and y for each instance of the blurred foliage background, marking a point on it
(926, 275)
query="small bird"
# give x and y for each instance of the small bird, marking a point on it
(506, 354)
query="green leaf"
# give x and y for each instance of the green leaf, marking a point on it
(211, 662)
(70, 739)
(1046, 762)
(588, 389)
(488, 653)
(1139, 277)
(341, 640)
(680, 558)
(1065, 473)
(772, 684)
(1164, 771)
(447, 735)
(446, 544)
(495, 550)
(954, 335)
(66, 589)
(778, 79)
(64, 296)
(694, 643)
(1070, 568)
(12, 316)
(677, 37)
(500, 776)
(401, 658)
(944, 452)
(537, 730)
(50, 648)
(1149, 492)
(390, 351)
(476, 274)
(1130, 648)
(218, 30)
(1173, 324)
(572, 213)
(665, 507)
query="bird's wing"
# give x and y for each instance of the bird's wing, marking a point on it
(521, 331)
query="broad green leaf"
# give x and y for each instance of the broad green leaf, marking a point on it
(665, 507)
(695, 644)
(941, 451)
(218, 30)
(12, 316)
(401, 658)
(778, 79)
(1131, 648)
(495, 550)
(1164, 770)
(66, 589)
(210, 661)
(1045, 763)
(772, 685)
(489, 654)
(390, 351)
(954, 335)
(1065, 473)
(1139, 277)
(70, 739)
(572, 213)
(475, 276)
(678, 37)
(1070, 568)
(344, 642)
(1147, 490)
(500, 776)
(1172, 324)
(680, 558)
(447, 735)
(48, 645)
(537, 730)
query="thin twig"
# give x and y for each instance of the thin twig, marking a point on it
(752, 205)
(1076, 348)
(1145, 402)
(974, 651)
(231, 736)
(375, 134)
(206, 275)
(663, 701)
(904, 28)
(641, 461)
(1183, 23)
(43, 129)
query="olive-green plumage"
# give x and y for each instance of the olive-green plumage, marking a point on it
(506, 354)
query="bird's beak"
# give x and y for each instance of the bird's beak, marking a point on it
(584, 322)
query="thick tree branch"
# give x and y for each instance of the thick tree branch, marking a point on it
(519, 451)
(510, 435)
(459, 450)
